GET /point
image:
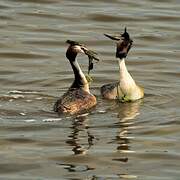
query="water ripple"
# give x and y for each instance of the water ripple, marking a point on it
(21, 55)
(111, 18)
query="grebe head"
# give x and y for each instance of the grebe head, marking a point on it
(124, 43)
(75, 48)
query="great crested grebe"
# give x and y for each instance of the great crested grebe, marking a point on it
(126, 88)
(78, 97)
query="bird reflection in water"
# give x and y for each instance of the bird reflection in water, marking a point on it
(80, 132)
(126, 115)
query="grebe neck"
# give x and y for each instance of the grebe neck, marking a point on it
(80, 80)
(124, 74)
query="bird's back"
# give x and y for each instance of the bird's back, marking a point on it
(111, 91)
(75, 101)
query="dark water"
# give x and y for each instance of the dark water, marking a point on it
(137, 140)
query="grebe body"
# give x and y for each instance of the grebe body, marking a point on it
(75, 101)
(126, 88)
(78, 97)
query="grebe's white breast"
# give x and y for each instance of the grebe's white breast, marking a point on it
(127, 84)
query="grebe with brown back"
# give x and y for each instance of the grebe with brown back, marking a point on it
(78, 97)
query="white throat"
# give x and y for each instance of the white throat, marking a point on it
(83, 77)
(126, 80)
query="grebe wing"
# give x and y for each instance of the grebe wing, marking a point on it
(74, 101)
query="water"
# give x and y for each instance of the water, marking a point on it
(137, 140)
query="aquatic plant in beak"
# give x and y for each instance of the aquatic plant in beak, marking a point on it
(92, 56)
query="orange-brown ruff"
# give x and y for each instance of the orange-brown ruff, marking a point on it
(78, 98)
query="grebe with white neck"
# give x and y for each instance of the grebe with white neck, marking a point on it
(78, 97)
(126, 88)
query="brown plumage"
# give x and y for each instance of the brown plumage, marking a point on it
(111, 90)
(75, 101)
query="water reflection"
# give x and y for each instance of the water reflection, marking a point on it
(129, 111)
(126, 115)
(76, 168)
(80, 133)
